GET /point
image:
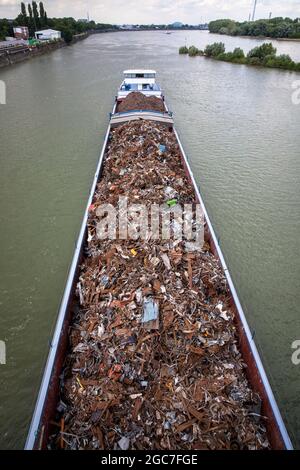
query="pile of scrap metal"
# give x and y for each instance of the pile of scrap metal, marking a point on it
(138, 101)
(153, 360)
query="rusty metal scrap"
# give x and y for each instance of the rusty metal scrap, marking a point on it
(180, 384)
(137, 100)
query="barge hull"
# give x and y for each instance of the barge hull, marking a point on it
(49, 390)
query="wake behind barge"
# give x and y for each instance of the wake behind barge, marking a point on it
(194, 378)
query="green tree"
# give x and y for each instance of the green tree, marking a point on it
(282, 61)
(183, 50)
(274, 27)
(68, 35)
(36, 18)
(4, 29)
(42, 14)
(31, 25)
(225, 25)
(24, 14)
(193, 51)
(238, 53)
(215, 49)
(261, 52)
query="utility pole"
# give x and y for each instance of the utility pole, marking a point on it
(270, 15)
(87, 10)
(254, 10)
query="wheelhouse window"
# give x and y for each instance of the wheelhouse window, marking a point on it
(140, 75)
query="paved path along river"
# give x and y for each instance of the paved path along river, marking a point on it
(241, 133)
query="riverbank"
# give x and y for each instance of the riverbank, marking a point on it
(273, 28)
(269, 38)
(262, 56)
(14, 55)
(20, 54)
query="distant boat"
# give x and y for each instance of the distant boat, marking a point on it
(168, 32)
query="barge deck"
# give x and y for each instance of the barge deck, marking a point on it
(192, 377)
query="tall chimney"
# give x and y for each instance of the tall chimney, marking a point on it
(254, 10)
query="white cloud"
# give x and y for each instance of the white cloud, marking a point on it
(159, 11)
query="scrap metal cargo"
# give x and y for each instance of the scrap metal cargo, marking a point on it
(178, 383)
(152, 349)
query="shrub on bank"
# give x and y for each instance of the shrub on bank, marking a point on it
(68, 36)
(264, 55)
(183, 50)
(254, 61)
(225, 56)
(263, 51)
(282, 61)
(215, 49)
(193, 51)
(238, 53)
(277, 27)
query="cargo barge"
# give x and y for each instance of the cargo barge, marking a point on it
(151, 348)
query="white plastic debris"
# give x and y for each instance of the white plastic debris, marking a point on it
(124, 443)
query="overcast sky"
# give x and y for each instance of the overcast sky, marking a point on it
(159, 11)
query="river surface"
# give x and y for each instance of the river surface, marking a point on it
(241, 133)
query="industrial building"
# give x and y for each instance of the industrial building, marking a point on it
(21, 32)
(47, 34)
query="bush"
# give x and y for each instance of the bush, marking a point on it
(193, 51)
(254, 61)
(213, 50)
(263, 51)
(282, 62)
(226, 56)
(224, 30)
(264, 55)
(238, 53)
(297, 67)
(274, 27)
(68, 36)
(239, 60)
(183, 50)
(221, 25)
(222, 56)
